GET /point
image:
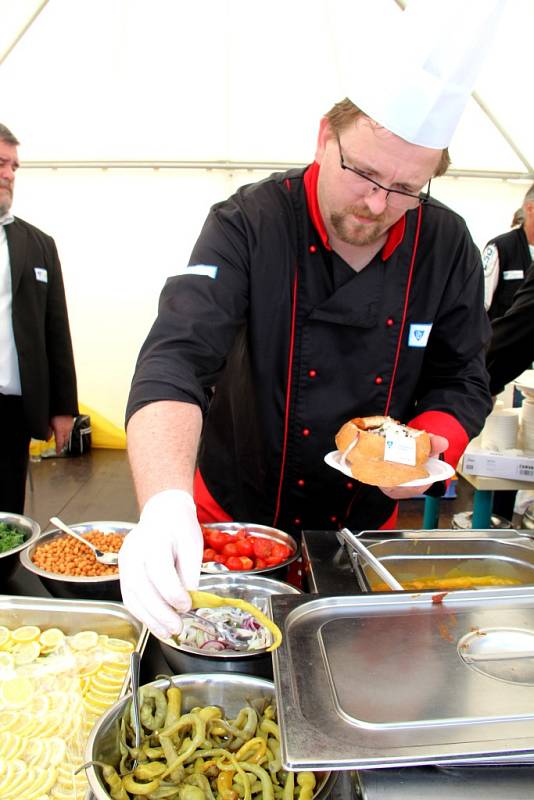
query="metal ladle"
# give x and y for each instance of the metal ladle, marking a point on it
(110, 559)
(347, 537)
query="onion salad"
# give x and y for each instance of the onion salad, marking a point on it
(239, 624)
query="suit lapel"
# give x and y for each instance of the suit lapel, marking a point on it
(17, 243)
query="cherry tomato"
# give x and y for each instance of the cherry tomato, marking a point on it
(281, 551)
(240, 534)
(231, 549)
(220, 559)
(273, 561)
(262, 547)
(209, 554)
(217, 539)
(260, 563)
(239, 563)
(245, 547)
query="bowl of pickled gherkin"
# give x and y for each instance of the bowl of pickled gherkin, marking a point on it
(210, 736)
(16, 533)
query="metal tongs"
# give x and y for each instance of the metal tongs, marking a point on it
(345, 536)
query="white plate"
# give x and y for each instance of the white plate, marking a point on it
(437, 470)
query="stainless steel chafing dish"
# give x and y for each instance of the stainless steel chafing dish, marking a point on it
(424, 555)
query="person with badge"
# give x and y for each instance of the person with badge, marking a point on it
(342, 290)
(506, 259)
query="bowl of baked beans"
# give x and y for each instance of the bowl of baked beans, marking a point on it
(68, 568)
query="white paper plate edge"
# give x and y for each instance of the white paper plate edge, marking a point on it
(446, 471)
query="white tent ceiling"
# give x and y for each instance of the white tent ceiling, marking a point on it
(237, 81)
(135, 116)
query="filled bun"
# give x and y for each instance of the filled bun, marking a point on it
(382, 452)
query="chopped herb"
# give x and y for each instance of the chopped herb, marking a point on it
(9, 537)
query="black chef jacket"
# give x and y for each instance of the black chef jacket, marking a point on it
(294, 348)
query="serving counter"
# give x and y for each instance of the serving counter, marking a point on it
(329, 571)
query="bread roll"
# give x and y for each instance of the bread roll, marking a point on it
(363, 442)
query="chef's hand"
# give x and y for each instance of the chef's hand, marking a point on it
(438, 444)
(160, 559)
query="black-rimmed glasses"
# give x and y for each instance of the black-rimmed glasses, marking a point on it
(395, 198)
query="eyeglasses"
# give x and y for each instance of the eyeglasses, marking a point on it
(395, 198)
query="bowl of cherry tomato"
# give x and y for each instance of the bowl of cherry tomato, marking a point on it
(246, 547)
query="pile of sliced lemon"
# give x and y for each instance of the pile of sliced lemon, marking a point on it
(53, 688)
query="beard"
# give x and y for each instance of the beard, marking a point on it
(350, 231)
(6, 198)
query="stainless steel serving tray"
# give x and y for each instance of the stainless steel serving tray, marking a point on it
(444, 554)
(72, 616)
(404, 679)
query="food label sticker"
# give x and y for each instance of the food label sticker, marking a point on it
(400, 449)
(419, 333)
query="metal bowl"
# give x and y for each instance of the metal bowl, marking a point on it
(31, 530)
(104, 587)
(231, 692)
(264, 532)
(255, 589)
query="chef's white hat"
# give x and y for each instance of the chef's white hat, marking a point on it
(414, 74)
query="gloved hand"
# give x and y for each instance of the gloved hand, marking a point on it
(160, 559)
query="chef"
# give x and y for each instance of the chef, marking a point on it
(316, 295)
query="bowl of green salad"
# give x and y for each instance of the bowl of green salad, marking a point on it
(16, 533)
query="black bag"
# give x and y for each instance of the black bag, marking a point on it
(80, 438)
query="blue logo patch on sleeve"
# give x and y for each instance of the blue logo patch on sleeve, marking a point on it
(419, 333)
(200, 269)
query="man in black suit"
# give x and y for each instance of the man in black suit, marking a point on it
(38, 394)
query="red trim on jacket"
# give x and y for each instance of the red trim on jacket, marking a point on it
(391, 523)
(404, 311)
(288, 396)
(208, 509)
(395, 233)
(443, 424)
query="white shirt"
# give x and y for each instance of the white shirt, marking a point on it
(9, 363)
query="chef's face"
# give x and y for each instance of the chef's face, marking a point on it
(355, 210)
(9, 163)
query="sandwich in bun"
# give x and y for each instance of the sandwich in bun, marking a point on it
(382, 452)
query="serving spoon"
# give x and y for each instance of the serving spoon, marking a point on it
(347, 537)
(110, 559)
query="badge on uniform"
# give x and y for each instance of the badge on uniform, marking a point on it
(199, 269)
(419, 333)
(41, 274)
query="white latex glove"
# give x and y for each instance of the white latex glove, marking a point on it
(160, 559)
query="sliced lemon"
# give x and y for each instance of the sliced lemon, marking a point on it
(87, 663)
(13, 776)
(5, 637)
(100, 702)
(104, 695)
(84, 640)
(55, 751)
(11, 745)
(27, 633)
(102, 639)
(27, 724)
(35, 751)
(8, 719)
(51, 639)
(7, 661)
(26, 652)
(44, 781)
(114, 669)
(17, 692)
(103, 680)
(40, 704)
(119, 645)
